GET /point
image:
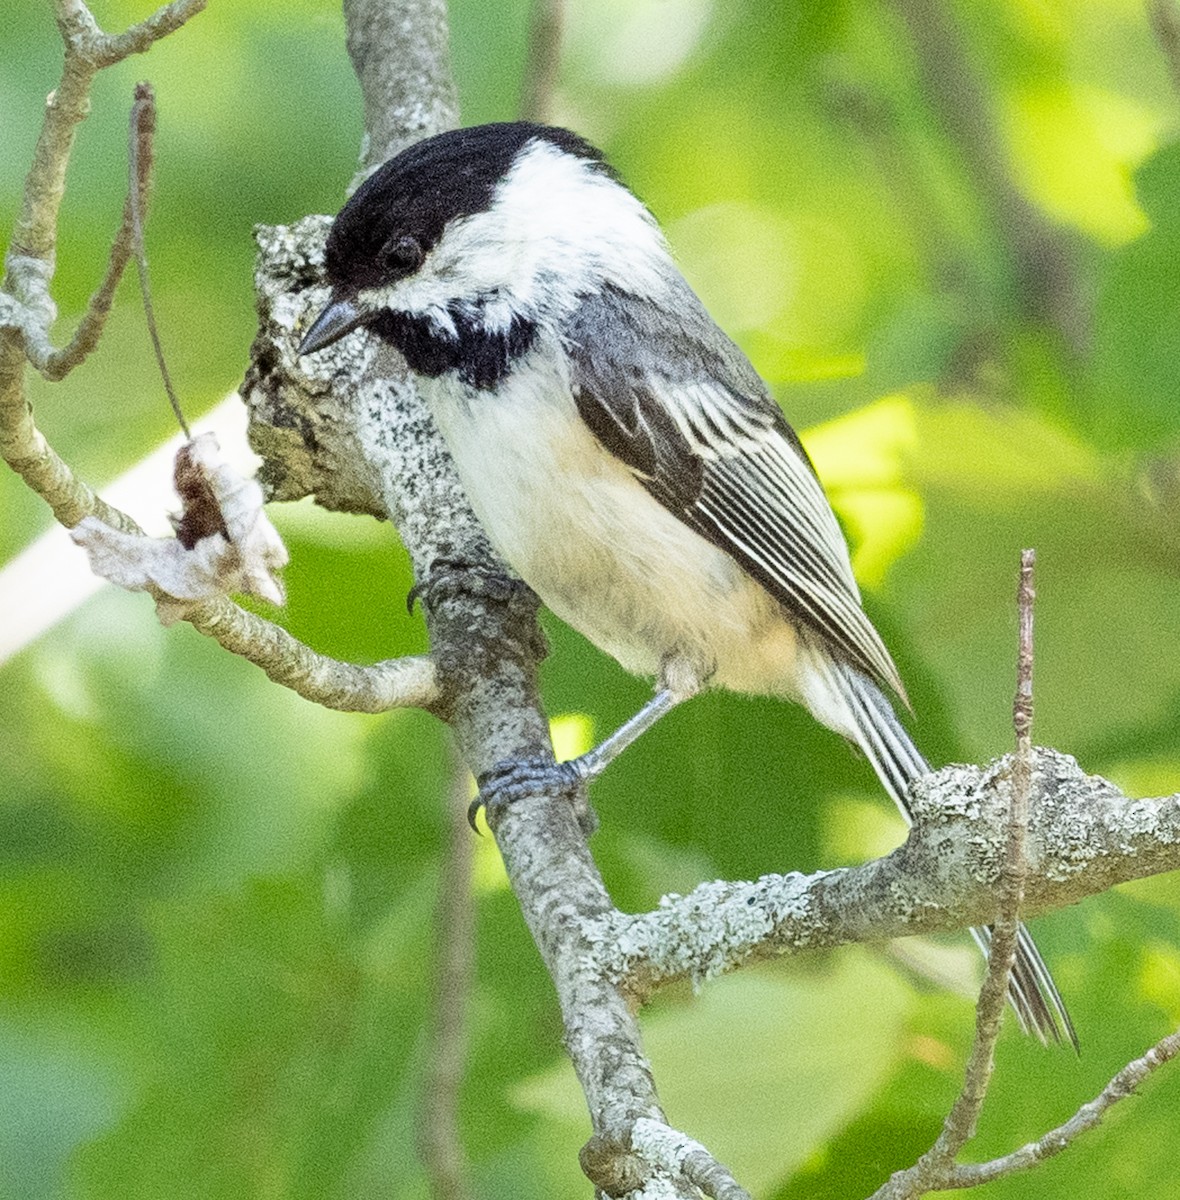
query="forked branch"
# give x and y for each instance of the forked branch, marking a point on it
(27, 313)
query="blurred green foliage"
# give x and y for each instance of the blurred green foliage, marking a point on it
(216, 899)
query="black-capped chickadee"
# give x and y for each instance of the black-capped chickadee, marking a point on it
(622, 453)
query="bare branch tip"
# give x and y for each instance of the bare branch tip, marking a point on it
(1022, 707)
(108, 49)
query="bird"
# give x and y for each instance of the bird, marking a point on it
(623, 455)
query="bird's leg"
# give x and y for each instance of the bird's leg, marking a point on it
(516, 778)
(595, 761)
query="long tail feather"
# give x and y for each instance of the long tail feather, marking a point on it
(897, 761)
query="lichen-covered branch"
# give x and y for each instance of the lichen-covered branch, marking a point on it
(1084, 837)
(349, 428)
(410, 682)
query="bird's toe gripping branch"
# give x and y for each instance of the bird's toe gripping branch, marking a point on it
(456, 576)
(516, 779)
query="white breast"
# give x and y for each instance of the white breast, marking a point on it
(602, 554)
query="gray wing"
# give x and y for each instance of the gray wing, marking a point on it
(680, 404)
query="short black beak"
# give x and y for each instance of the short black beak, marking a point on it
(340, 317)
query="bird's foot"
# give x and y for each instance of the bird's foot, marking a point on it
(516, 779)
(448, 578)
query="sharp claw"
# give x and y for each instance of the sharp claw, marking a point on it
(413, 595)
(473, 813)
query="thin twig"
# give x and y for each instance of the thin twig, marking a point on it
(989, 1011)
(29, 263)
(932, 1170)
(143, 124)
(1022, 705)
(35, 234)
(399, 683)
(446, 1037)
(546, 26)
(961, 1123)
(1124, 1084)
(59, 363)
(410, 682)
(113, 48)
(87, 50)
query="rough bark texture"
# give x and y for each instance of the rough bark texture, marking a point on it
(1084, 837)
(349, 428)
(401, 55)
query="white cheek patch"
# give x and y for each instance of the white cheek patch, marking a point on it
(557, 229)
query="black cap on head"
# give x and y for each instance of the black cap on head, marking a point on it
(414, 196)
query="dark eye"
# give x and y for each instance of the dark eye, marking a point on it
(402, 254)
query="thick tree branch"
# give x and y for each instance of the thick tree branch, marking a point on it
(546, 27)
(349, 428)
(1084, 837)
(401, 54)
